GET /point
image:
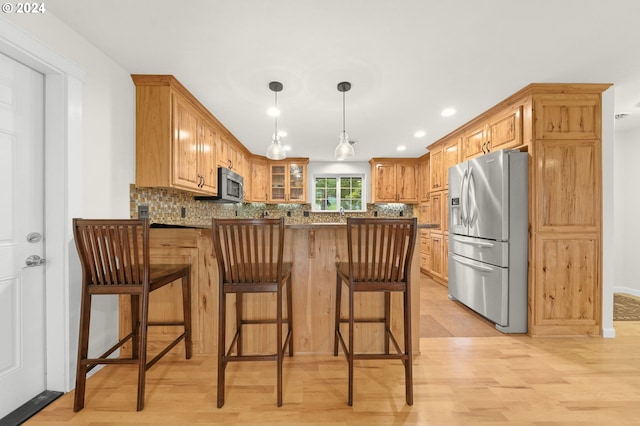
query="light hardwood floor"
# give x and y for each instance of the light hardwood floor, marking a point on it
(466, 373)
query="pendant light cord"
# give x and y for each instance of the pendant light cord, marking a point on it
(275, 134)
(343, 113)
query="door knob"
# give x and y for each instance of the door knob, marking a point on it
(34, 260)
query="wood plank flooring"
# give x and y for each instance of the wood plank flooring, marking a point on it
(466, 373)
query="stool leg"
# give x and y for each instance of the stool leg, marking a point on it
(135, 325)
(290, 313)
(408, 365)
(337, 313)
(186, 311)
(142, 350)
(239, 306)
(222, 327)
(83, 347)
(387, 321)
(351, 349)
(279, 348)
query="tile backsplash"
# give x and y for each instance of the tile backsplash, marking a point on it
(167, 205)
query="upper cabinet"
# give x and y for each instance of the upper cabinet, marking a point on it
(258, 188)
(502, 130)
(424, 188)
(394, 180)
(179, 143)
(288, 181)
(443, 155)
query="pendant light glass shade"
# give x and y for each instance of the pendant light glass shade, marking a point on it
(344, 150)
(276, 151)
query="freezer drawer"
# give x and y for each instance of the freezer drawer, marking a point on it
(482, 287)
(487, 251)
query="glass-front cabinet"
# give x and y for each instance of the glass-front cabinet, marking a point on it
(288, 181)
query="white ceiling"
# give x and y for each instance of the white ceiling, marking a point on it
(406, 60)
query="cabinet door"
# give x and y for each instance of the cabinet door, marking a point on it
(278, 180)
(505, 130)
(407, 183)
(207, 166)
(185, 145)
(222, 153)
(445, 259)
(259, 181)
(474, 142)
(436, 209)
(451, 157)
(297, 183)
(436, 254)
(385, 182)
(435, 169)
(232, 157)
(444, 212)
(423, 181)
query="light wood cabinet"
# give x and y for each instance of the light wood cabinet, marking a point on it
(288, 181)
(502, 130)
(450, 157)
(179, 143)
(424, 187)
(559, 125)
(394, 180)
(436, 178)
(259, 185)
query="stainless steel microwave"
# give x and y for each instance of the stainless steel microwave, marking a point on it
(230, 187)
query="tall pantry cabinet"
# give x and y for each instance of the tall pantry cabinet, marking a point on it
(559, 125)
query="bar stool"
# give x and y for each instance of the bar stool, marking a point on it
(379, 253)
(114, 255)
(249, 254)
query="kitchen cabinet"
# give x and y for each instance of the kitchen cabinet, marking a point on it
(424, 187)
(177, 138)
(259, 180)
(502, 130)
(450, 157)
(230, 156)
(559, 126)
(436, 177)
(194, 166)
(394, 180)
(288, 181)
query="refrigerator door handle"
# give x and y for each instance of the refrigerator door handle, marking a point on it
(470, 264)
(463, 200)
(473, 209)
(480, 244)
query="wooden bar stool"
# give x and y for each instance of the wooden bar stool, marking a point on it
(249, 254)
(379, 255)
(114, 255)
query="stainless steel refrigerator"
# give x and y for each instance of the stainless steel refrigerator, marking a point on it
(488, 239)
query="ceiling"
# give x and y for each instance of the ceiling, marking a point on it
(407, 60)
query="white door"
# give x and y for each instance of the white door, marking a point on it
(22, 301)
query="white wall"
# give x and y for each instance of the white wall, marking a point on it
(626, 229)
(107, 164)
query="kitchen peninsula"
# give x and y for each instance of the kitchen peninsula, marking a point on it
(313, 248)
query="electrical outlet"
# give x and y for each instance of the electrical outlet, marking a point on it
(288, 213)
(305, 214)
(143, 212)
(183, 212)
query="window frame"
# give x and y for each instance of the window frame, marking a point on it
(339, 177)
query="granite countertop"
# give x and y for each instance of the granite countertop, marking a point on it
(316, 225)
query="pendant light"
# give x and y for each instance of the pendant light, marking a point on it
(344, 149)
(276, 150)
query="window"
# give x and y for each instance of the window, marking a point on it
(332, 192)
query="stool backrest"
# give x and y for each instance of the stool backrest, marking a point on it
(249, 250)
(380, 249)
(114, 252)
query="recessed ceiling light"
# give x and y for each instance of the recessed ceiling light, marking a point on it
(401, 148)
(273, 112)
(448, 112)
(420, 134)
